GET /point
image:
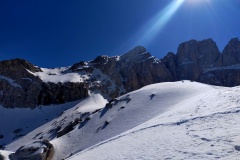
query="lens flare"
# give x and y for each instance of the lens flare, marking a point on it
(159, 21)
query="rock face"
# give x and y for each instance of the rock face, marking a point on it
(201, 61)
(231, 53)
(131, 71)
(1, 157)
(194, 57)
(40, 150)
(170, 60)
(113, 76)
(20, 88)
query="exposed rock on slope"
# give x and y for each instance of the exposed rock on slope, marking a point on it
(1, 157)
(20, 88)
(40, 150)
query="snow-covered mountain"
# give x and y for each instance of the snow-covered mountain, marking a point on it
(174, 120)
(23, 85)
(132, 106)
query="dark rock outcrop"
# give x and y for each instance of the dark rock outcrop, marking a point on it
(40, 150)
(17, 69)
(170, 60)
(226, 70)
(201, 61)
(1, 157)
(68, 128)
(20, 88)
(194, 57)
(231, 53)
(128, 72)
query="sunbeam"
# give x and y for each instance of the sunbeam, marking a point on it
(154, 26)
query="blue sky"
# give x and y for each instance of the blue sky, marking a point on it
(60, 32)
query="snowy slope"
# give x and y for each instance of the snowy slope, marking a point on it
(174, 120)
(205, 126)
(130, 111)
(56, 75)
(18, 122)
(125, 113)
(5, 154)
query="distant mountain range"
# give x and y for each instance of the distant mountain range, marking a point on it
(24, 85)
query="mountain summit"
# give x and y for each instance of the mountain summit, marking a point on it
(25, 85)
(109, 108)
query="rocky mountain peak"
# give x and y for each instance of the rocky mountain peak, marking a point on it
(100, 59)
(20, 63)
(136, 53)
(231, 53)
(20, 87)
(193, 50)
(22, 84)
(17, 68)
(194, 57)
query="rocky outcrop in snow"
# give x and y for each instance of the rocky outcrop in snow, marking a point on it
(1, 157)
(40, 150)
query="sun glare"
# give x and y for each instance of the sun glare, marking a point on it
(197, 2)
(160, 20)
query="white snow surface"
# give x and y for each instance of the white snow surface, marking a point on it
(26, 120)
(5, 154)
(201, 123)
(57, 75)
(174, 120)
